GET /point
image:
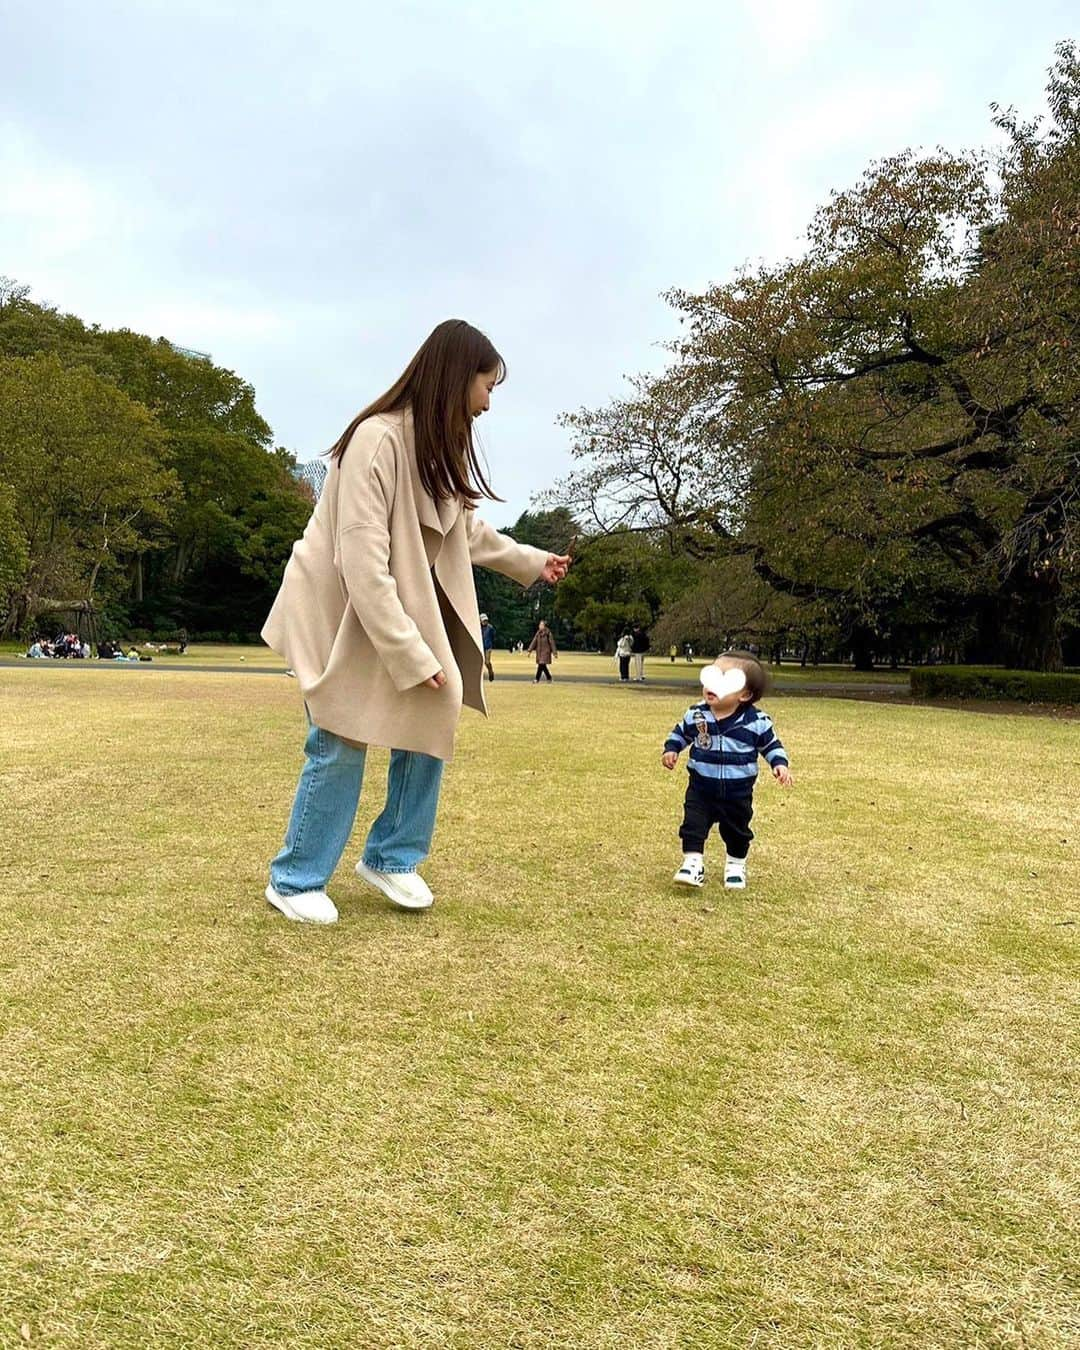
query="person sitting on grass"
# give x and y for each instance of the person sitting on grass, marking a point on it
(726, 732)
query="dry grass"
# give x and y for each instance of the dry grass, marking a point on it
(523, 664)
(570, 1107)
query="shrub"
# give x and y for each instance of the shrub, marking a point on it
(986, 682)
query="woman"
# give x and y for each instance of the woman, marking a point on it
(377, 616)
(543, 644)
(623, 650)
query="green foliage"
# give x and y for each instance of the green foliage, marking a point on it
(144, 479)
(728, 605)
(14, 554)
(618, 580)
(888, 427)
(84, 464)
(513, 611)
(553, 530)
(1019, 686)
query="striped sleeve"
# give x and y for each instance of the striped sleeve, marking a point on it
(679, 737)
(768, 742)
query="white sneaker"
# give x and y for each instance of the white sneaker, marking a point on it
(307, 907)
(409, 890)
(735, 874)
(691, 873)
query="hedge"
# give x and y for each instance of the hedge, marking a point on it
(1019, 686)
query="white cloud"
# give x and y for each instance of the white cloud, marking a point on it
(802, 154)
(51, 210)
(303, 192)
(788, 29)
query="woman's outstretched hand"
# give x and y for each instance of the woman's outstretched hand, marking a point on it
(556, 567)
(437, 680)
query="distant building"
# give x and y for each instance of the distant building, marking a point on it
(313, 473)
(189, 351)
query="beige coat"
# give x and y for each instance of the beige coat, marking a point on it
(378, 595)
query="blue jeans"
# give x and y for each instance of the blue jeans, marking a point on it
(325, 809)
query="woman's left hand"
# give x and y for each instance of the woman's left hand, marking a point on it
(556, 567)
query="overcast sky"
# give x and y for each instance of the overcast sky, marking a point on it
(305, 190)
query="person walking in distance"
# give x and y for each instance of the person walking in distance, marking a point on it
(377, 616)
(543, 644)
(487, 636)
(639, 645)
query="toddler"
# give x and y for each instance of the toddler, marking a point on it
(725, 732)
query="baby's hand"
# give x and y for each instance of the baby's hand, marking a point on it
(669, 759)
(782, 774)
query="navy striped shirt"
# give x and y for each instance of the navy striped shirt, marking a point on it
(723, 753)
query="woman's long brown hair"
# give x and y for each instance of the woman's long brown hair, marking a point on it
(436, 384)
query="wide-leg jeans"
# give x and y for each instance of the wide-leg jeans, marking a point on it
(324, 811)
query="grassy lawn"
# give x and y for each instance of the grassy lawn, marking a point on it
(570, 1106)
(569, 663)
(198, 654)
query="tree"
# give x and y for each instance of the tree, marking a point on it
(513, 611)
(213, 558)
(14, 555)
(620, 579)
(83, 462)
(889, 423)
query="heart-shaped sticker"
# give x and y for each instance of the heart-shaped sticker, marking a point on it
(723, 682)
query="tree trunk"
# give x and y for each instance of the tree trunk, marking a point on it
(862, 647)
(1031, 639)
(17, 623)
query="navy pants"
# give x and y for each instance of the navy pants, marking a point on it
(702, 809)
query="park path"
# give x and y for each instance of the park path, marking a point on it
(780, 685)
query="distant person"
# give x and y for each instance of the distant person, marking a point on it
(689, 653)
(725, 732)
(543, 644)
(673, 652)
(37, 652)
(487, 637)
(624, 650)
(386, 647)
(639, 645)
